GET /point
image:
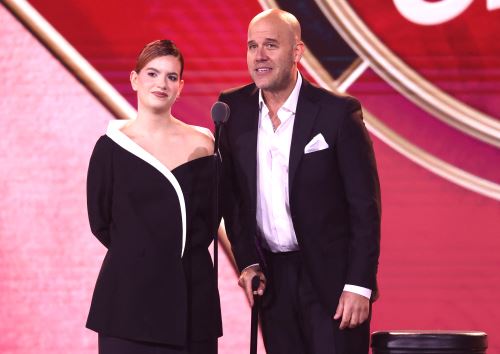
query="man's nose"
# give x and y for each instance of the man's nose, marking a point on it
(261, 54)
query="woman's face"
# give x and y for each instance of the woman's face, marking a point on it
(158, 84)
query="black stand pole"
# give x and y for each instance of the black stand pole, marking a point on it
(216, 212)
(218, 128)
(220, 114)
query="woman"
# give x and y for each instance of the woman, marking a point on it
(150, 203)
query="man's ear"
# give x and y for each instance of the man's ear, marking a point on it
(298, 51)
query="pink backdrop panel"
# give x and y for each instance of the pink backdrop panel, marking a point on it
(48, 261)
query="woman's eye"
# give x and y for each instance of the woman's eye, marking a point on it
(152, 74)
(172, 77)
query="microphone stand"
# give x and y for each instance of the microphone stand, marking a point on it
(220, 114)
(218, 128)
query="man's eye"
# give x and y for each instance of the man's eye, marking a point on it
(252, 46)
(271, 45)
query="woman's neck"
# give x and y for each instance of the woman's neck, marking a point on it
(152, 123)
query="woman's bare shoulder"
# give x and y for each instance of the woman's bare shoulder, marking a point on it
(201, 135)
(200, 139)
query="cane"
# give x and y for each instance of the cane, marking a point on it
(255, 315)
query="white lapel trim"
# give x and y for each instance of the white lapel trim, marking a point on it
(115, 134)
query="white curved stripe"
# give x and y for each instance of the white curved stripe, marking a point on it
(427, 13)
(405, 79)
(493, 5)
(115, 134)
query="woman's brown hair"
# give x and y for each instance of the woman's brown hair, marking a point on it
(158, 48)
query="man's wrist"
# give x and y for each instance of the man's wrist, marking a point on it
(358, 290)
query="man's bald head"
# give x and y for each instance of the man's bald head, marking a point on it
(280, 18)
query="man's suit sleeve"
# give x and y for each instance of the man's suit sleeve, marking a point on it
(359, 174)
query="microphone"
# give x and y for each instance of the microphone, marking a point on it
(220, 112)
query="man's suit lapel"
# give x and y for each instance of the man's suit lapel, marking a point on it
(248, 142)
(305, 117)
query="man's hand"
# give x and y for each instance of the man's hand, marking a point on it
(353, 309)
(245, 281)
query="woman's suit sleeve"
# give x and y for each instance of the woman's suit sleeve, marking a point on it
(99, 191)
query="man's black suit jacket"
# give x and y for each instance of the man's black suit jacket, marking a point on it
(334, 193)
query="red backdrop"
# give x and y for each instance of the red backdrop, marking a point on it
(440, 259)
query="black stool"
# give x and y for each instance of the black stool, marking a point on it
(429, 342)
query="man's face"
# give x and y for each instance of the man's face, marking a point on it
(271, 55)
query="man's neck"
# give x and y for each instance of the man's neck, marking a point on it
(275, 99)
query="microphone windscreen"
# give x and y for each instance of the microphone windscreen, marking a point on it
(220, 112)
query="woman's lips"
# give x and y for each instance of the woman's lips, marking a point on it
(160, 94)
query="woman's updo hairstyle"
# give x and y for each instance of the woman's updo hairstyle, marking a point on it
(158, 48)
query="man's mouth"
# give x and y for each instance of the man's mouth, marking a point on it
(263, 70)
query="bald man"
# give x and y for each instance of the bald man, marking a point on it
(301, 198)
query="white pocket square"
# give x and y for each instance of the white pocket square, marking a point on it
(316, 144)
